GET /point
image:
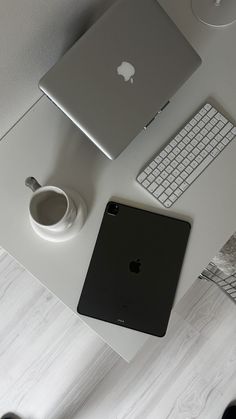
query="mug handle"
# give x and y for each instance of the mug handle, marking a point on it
(32, 183)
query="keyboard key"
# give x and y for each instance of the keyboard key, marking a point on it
(173, 143)
(199, 169)
(218, 138)
(220, 146)
(210, 135)
(168, 203)
(189, 147)
(203, 154)
(158, 159)
(145, 183)
(181, 145)
(186, 162)
(211, 113)
(225, 141)
(205, 119)
(226, 129)
(191, 156)
(171, 156)
(193, 122)
(191, 135)
(174, 186)
(189, 169)
(166, 161)
(181, 167)
(152, 187)
(178, 138)
(156, 172)
(230, 135)
(204, 132)
(199, 158)
(168, 148)
(176, 173)
(174, 164)
(165, 183)
(163, 197)
(194, 164)
(153, 165)
(196, 129)
(207, 106)
(196, 151)
(184, 153)
(201, 124)
(215, 152)
(179, 158)
(184, 174)
(186, 140)
(201, 146)
(141, 177)
(173, 198)
(179, 180)
(159, 190)
(169, 169)
(184, 186)
(203, 111)
(148, 170)
(163, 154)
(151, 178)
(198, 117)
(209, 148)
(194, 142)
(164, 174)
(176, 151)
(159, 180)
(171, 178)
(206, 140)
(168, 191)
(178, 192)
(183, 132)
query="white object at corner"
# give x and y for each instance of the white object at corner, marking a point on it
(216, 13)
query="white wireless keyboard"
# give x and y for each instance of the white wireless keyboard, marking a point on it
(187, 155)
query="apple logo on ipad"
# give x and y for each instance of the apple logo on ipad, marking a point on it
(134, 266)
(126, 70)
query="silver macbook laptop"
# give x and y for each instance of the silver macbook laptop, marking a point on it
(121, 73)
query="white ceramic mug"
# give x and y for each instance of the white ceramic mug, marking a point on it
(51, 209)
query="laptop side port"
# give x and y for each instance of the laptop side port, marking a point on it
(162, 109)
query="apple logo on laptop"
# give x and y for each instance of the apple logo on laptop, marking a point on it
(126, 70)
(134, 266)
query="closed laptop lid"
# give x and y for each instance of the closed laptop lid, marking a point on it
(135, 268)
(121, 72)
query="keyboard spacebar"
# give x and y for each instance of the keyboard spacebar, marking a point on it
(199, 169)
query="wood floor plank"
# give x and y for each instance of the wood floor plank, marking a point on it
(52, 366)
(191, 374)
(50, 361)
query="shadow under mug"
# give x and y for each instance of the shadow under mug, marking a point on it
(50, 207)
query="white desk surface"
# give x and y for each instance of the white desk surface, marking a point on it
(45, 144)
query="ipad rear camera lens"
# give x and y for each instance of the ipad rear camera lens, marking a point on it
(113, 208)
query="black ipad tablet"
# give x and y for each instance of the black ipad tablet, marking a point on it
(135, 268)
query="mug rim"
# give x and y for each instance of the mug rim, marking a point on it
(52, 189)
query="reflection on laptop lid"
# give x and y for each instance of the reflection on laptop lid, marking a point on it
(121, 73)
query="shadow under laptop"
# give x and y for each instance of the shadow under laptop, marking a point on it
(78, 164)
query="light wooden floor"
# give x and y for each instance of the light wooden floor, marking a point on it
(53, 366)
(191, 373)
(49, 360)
